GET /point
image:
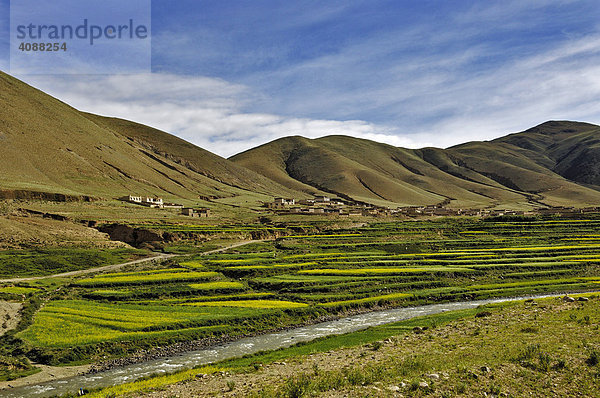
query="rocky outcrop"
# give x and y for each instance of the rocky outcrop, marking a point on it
(267, 234)
(57, 217)
(135, 236)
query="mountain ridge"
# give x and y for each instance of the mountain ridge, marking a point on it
(522, 169)
(51, 147)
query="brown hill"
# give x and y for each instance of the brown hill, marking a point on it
(48, 146)
(556, 163)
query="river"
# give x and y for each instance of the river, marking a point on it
(244, 346)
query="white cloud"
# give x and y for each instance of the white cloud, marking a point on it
(205, 111)
(563, 83)
(443, 99)
(427, 99)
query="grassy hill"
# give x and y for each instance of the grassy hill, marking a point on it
(48, 146)
(556, 163)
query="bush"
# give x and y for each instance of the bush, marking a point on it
(297, 387)
(594, 358)
(530, 329)
(230, 385)
(529, 352)
(376, 345)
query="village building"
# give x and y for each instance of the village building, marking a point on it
(204, 212)
(285, 201)
(337, 201)
(190, 212)
(280, 203)
(172, 206)
(134, 199)
(153, 202)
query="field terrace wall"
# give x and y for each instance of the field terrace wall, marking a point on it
(20, 194)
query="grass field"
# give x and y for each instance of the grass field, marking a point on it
(296, 278)
(37, 262)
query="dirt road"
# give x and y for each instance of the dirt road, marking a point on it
(110, 267)
(114, 267)
(243, 243)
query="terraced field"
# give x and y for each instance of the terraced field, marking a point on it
(296, 278)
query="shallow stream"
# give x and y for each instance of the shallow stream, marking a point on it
(244, 346)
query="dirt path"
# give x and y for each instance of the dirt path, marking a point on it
(9, 315)
(114, 267)
(243, 243)
(47, 373)
(111, 267)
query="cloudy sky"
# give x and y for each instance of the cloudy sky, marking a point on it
(230, 75)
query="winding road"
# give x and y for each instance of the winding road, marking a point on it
(114, 267)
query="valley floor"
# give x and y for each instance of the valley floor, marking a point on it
(536, 349)
(222, 282)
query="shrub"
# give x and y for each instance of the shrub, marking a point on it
(544, 361)
(376, 345)
(297, 387)
(529, 352)
(560, 364)
(594, 358)
(230, 385)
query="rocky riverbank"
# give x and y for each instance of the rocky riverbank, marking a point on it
(196, 345)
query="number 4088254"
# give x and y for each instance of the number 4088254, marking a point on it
(43, 47)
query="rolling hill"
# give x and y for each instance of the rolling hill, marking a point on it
(48, 146)
(555, 163)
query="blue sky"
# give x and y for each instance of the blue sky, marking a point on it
(229, 75)
(4, 34)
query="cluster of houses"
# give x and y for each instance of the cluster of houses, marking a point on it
(283, 203)
(326, 206)
(152, 201)
(342, 207)
(156, 202)
(444, 211)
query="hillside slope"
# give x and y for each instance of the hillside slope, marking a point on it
(48, 146)
(556, 163)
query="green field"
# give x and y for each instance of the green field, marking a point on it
(36, 262)
(296, 278)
